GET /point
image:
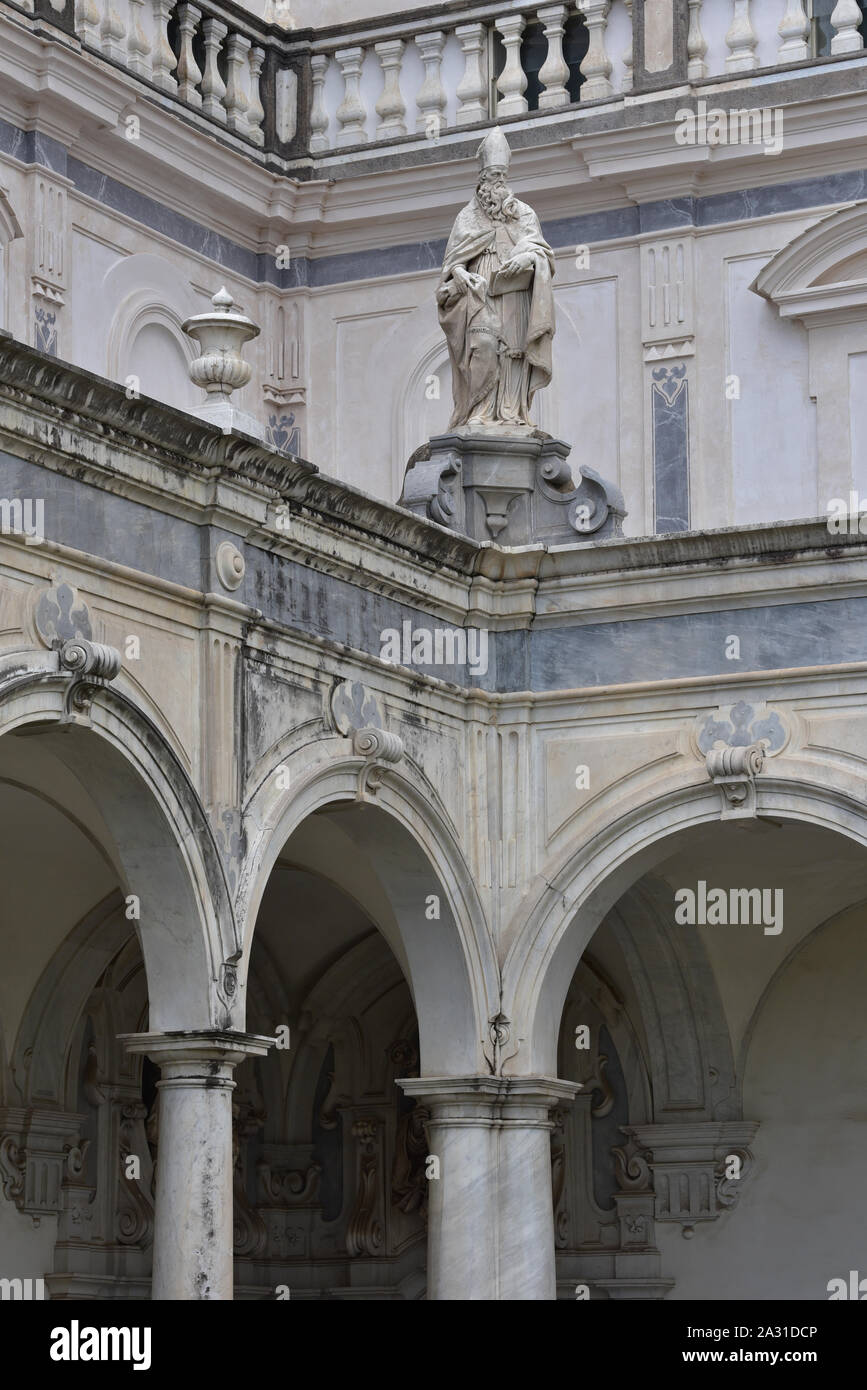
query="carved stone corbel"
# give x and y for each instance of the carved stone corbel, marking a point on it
(134, 1213)
(690, 1165)
(358, 714)
(35, 1157)
(734, 771)
(92, 664)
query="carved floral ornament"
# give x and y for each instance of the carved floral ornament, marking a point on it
(62, 622)
(735, 741)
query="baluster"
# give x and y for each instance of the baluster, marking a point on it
(256, 111)
(213, 86)
(112, 34)
(628, 55)
(138, 46)
(741, 40)
(555, 70)
(845, 18)
(472, 90)
(237, 63)
(164, 58)
(391, 107)
(793, 29)
(351, 113)
(318, 113)
(189, 76)
(696, 44)
(88, 18)
(595, 65)
(512, 82)
(431, 97)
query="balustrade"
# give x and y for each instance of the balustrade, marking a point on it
(376, 82)
(187, 51)
(453, 71)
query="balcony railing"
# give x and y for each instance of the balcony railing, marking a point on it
(303, 94)
(459, 69)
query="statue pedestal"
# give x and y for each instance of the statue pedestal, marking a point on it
(512, 488)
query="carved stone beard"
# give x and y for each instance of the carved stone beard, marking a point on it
(496, 200)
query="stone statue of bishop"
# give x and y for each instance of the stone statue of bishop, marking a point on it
(496, 305)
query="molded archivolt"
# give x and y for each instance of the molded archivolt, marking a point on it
(390, 857)
(162, 844)
(825, 268)
(573, 896)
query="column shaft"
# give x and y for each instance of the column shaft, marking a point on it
(193, 1218)
(491, 1219)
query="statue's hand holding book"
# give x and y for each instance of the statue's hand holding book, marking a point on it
(515, 274)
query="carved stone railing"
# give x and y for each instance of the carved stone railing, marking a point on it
(205, 56)
(376, 82)
(297, 93)
(441, 70)
(216, 60)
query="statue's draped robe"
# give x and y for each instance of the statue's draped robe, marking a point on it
(482, 330)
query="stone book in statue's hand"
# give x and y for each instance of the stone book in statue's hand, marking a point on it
(505, 282)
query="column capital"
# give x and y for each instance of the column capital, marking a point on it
(206, 1046)
(495, 1101)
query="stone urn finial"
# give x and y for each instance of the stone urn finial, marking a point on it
(220, 369)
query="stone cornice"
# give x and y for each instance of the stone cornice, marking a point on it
(619, 151)
(69, 419)
(90, 402)
(82, 413)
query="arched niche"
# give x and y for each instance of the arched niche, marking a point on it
(329, 1181)
(10, 230)
(819, 281)
(151, 299)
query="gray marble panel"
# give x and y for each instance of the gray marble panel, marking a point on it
(32, 147)
(670, 401)
(102, 524)
(694, 644)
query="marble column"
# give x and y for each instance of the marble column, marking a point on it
(193, 1218)
(490, 1211)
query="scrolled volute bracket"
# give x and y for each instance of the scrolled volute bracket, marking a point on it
(90, 664)
(376, 746)
(734, 771)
